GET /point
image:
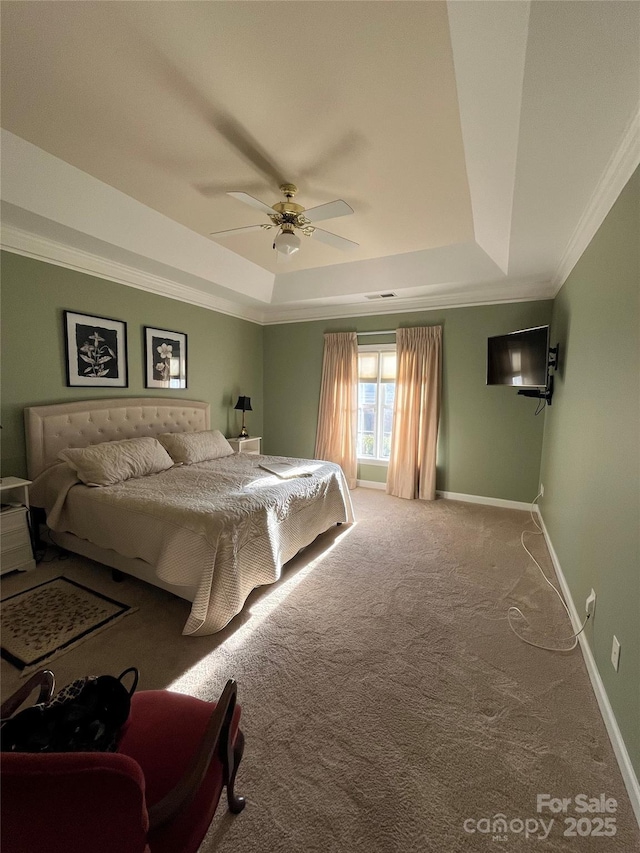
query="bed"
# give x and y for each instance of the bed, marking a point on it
(208, 532)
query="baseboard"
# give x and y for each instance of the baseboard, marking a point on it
(458, 496)
(611, 724)
(479, 499)
(370, 484)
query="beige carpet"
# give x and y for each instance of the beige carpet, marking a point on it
(386, 702)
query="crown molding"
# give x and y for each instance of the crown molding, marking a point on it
(531, 292)
(40, 248)
(615, 177)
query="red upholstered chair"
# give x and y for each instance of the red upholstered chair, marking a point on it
(156, 794)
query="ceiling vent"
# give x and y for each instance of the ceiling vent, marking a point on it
(381, 295)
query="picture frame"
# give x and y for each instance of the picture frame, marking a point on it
(165, 356)
(96, 351)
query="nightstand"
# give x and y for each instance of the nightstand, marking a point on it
(15, 539)
(246, 445)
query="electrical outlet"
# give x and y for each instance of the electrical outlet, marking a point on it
(541, 490)
(590, 606)
(615, 653)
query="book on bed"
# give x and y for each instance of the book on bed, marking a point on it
(286, 470)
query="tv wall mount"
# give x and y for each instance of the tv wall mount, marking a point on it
(547, 393)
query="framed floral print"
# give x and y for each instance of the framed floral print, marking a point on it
(96, 351)
(165, 358)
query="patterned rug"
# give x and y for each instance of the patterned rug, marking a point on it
(43, 622)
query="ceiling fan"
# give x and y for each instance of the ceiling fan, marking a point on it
(288, 217)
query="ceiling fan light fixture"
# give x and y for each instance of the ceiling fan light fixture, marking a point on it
(287, 243)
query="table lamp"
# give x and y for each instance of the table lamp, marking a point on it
(244, 405)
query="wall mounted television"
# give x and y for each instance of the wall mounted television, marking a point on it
(519, 359)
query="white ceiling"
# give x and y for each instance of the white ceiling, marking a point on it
(476, 141)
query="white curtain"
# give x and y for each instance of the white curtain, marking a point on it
(416, 413)
(338, 411)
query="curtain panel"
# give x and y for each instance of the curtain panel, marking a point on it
(416, 413)
(338, 411)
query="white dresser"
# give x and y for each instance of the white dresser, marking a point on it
(15, 540)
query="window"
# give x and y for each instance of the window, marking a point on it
(376, 393)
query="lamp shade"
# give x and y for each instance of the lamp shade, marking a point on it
(244, 404)
(287, 243)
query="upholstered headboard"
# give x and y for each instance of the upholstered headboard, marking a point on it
(51, 429)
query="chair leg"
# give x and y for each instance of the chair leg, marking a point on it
(236, 803)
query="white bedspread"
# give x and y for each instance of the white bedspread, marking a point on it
(224, 527)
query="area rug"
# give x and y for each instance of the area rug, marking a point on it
(43, 622)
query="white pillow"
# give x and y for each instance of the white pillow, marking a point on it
(188, 447)
(114, 461)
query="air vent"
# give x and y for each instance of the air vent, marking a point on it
(381, 295)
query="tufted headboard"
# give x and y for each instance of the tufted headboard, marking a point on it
(51, 429)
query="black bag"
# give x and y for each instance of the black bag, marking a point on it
(85, 716)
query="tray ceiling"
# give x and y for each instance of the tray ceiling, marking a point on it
(467, 137)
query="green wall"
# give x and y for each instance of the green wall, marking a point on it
(224, 353)
(489, 442)
(489, 439)
(591, 452)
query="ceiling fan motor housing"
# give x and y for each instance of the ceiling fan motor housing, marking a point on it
(288, 207)
(289, 213)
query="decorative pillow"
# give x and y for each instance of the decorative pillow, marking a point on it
(114, 461)
(188, 447)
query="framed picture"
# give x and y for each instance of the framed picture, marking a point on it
(165, 355)
(96, 351)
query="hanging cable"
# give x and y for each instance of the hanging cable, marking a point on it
(516, 610)
(539, 408)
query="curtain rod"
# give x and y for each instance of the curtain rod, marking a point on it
(388, 332)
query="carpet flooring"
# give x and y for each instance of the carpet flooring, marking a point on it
(387, 706)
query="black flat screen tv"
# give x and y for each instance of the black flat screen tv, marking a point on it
(519, 359)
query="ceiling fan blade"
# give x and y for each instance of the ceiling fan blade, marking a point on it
(330, 210)
(249, 148)
(253, 202)
(342, 151)
(230, 128)
(334, 240)
(216, 188)
(244, 228)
